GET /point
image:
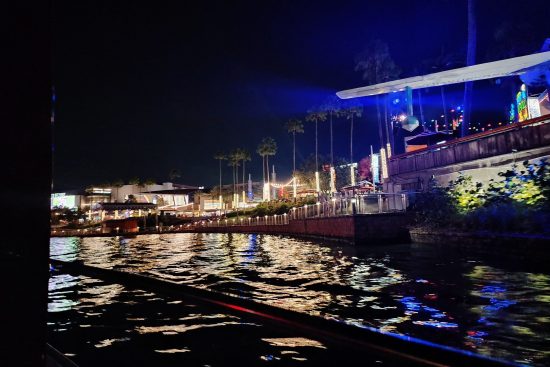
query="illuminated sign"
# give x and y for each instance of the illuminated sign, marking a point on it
(375, 168)
(60, 200)
(534, 107)
(512, 113)
(384, 163)
(521, 101)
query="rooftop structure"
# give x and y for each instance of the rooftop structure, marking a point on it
(488, 70)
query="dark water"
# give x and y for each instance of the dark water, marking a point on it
(493, 307)
(100, 324)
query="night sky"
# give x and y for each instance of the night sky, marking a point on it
(141, 90)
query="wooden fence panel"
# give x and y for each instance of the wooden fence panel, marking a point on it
(520, 137)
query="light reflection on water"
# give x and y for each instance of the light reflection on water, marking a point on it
(415, 290)
(107, 324)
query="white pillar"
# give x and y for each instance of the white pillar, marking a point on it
(332, 180)
(317, 183)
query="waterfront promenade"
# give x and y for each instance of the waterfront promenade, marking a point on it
(357, 220)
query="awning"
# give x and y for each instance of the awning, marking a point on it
(488, 70)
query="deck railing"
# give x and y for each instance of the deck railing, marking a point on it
(506, 139)
(359, 204)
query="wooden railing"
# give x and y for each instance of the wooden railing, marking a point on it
(520, 136)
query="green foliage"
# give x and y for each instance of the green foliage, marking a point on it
(267, 147)
(520, 201)
(295, 126)
(306, 174)
(271, 208)
(465, 194)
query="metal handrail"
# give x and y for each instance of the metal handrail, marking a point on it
(359, 204)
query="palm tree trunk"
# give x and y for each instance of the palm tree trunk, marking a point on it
(267, 160)
(331, 147)
(316, 150)
(263, 168)
(421, 108)
(443, 100)
(388, 139)
(237, 186)
(470, 60)
(220, 177)
(293, 153)
(380, 133)
(351, 140)
(244, 195)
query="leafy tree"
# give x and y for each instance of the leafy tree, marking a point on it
(377, 66)
(134, 181)
(519, 201)
(306, 174)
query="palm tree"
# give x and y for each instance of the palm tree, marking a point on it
(332, 107)
(377, 66)
(118, 183)
(271, 149)
(316, 115)
(294, 126)
(134, 181)
(470, 60)
(245, 156)
(174, 173)
(353, 110)
(267, 147)
(261, 151)
(220, 156)
(234, 157)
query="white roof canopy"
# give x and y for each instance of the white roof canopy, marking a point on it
(495, 69)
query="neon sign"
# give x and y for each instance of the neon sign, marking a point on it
(521, 101)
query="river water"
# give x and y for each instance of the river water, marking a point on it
(495, 307)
